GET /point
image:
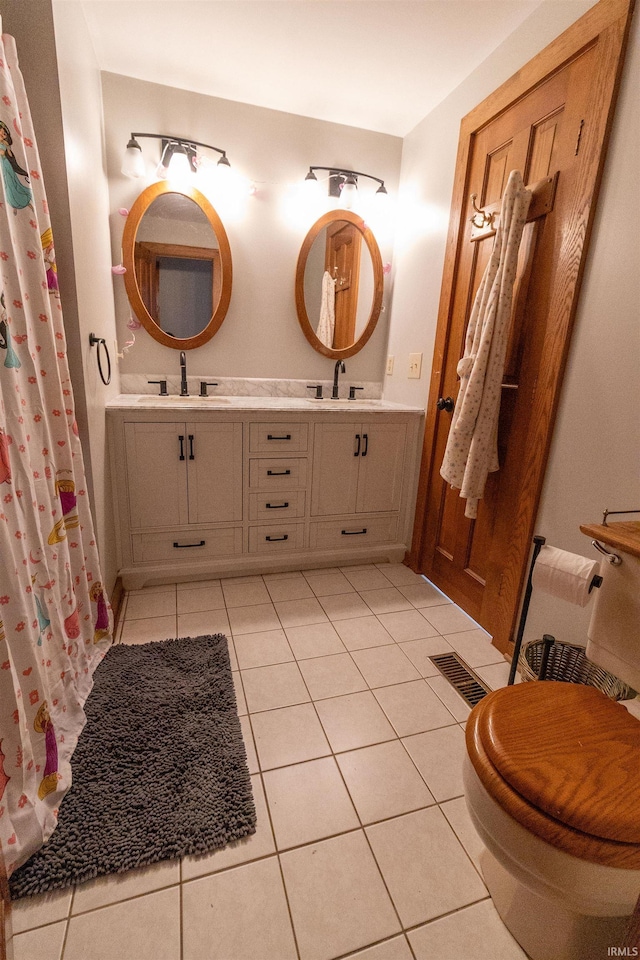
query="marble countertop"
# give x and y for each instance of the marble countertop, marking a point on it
(135, 401)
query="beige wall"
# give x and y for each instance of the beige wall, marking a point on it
(63, 87)
(260, 336)
(594, 457)
(81, 97)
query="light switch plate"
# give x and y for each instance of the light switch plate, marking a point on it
(415, 366)
(390, 360)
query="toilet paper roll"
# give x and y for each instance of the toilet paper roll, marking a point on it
(564, 575)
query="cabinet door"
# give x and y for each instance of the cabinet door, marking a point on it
(157, 477)
(335, 469)
(214, 452)
(381, 466)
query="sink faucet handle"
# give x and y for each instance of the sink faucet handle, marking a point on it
(207, 383)
(352, 392)
(318, 389)
(163, 386)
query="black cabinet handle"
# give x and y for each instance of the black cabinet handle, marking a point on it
(365, 437)
(191, 455)
(277, 506)
(274, 539)
(354, 533)
(181, 439)
(184, 546)
(270, 437)
(357, 453)
(278, 473)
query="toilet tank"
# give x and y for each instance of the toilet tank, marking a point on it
(614, 631)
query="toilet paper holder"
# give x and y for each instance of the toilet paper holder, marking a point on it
(538, 543)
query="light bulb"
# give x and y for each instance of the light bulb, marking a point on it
(180, 166)
(133, 162)
(349, 193)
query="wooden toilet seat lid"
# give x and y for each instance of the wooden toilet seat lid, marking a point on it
(568, 750)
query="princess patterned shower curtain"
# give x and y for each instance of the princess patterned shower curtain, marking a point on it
(54, 618)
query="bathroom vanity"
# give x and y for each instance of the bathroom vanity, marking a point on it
(204, 486)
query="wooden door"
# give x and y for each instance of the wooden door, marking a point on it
(552, 118)
(381, 466)
(342, 260)
(214, 458)
(336, 457)
(157, 474)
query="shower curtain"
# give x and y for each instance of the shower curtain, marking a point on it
(471, 453)
(55, 623)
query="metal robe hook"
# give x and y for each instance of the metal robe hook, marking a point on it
(486, 219)
(101, 342)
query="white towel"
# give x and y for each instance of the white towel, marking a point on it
(327, 320)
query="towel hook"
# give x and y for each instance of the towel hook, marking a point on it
(486, 219)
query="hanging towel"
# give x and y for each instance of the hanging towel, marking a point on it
(472, 445)
(327, 320)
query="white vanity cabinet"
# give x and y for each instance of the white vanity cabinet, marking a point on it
(240, 486)
(182, 473)
(368, 457)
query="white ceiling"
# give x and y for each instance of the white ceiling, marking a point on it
(377, 64)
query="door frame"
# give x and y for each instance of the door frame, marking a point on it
(606, 25)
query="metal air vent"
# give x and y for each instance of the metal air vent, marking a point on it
(461, 678)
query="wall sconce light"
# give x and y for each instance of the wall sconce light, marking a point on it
(344, 184)
(178, 156)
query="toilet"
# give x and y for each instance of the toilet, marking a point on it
(552, 784)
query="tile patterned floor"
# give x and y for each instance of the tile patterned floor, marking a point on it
(364, 848)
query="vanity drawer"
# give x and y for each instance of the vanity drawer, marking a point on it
(282, 474)
(276, 539)
(264, 506)
(352, 533)
(278, 437)
(182, 547)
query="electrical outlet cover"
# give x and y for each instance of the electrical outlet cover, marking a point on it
(390, 360)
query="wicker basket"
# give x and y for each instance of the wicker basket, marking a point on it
(569, 663)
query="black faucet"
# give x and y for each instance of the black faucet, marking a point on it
(184, 390)
(339, 368)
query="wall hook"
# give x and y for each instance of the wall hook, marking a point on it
(480, 219)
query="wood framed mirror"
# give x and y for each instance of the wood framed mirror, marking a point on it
(178, 265)
(339, 284)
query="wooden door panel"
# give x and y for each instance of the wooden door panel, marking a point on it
(551, 118)
(214, 458)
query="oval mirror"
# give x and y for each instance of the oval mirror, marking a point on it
(339, 284)
(178, 265)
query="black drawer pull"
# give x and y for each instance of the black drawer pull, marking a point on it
(270, 437)
(191, 454)
(365, 437)
(353, 533)
(278, 473)
(357, 451)
(274, 539)
(183, 546)
(277, 506)
(181, 439)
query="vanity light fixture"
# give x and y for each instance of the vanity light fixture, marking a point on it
(178, 155)
(344, 184)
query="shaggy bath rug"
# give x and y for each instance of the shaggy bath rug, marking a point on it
(160, 770)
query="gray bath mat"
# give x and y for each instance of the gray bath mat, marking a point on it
(160, 770)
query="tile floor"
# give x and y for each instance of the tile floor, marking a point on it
(364, 848)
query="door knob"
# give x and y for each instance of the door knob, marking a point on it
(445, 403)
